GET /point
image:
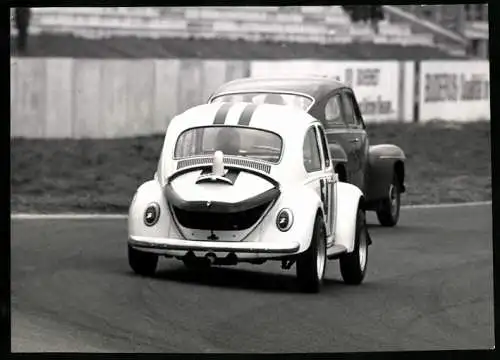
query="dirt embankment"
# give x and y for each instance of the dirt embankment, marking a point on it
(444, 164)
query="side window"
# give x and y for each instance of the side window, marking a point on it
(333, 116)
(324, 145)
(352, 113)
(186, 143)
(348, 110)
(312, 159)
(357, 112)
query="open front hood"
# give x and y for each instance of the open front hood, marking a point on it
(233, 190)
(228, 200)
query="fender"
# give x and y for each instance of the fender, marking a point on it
(348, 200)
(304, 204)
(337, 153)
(382, 160)
(160, 167)
(147, 193)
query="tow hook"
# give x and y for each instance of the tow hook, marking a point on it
(287, 264)
(211, 258)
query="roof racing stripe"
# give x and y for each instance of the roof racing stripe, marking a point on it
(220, 115)
(246, 114)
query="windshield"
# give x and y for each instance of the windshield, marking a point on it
(299, 101)
(231, 140)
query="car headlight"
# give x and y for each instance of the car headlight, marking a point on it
(152, 214)
(284, 220)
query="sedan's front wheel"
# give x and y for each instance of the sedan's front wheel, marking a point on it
(388, 212)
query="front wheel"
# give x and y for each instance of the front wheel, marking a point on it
(388, 212)
(143, 263)
(312, 263)
(353, 265)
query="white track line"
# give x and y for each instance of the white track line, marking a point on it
(71, 216)
(443, 206)
(68, 216)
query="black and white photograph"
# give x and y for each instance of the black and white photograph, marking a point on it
(243, 179)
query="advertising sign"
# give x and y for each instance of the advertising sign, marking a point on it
(375, 83)
(454, 90)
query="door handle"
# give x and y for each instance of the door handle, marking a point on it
(355, 140)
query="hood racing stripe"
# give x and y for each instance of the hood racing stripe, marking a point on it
(232, 175)
(221, 114)
(246, 114)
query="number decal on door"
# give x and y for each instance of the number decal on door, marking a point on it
(324, 195)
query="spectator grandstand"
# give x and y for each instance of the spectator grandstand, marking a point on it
(408, 32)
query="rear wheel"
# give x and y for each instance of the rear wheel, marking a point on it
(353, 265)
(388, 212)
(143, 263)
(311, 264)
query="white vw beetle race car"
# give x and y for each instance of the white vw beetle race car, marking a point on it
(232, 186)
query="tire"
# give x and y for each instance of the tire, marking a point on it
(141, 262)
(353, 265)
(311, 265)
(388, 211)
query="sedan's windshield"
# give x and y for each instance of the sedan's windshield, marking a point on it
(299, 101)
(231, 140)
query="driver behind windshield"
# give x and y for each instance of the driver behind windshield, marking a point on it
(275, 99)
(228, 141)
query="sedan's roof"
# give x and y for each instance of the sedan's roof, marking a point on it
(313, 86)
(281, 119)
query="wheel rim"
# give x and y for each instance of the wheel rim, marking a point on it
(362, 249)
(393, 198)
(320, 257)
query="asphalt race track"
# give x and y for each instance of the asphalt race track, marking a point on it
(429, 287)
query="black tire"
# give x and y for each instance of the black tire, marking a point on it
(351, 267)
(389, 208)
(309, 277)
(143, 263)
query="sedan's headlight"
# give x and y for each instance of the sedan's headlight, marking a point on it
(284, 220)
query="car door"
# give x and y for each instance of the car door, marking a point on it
(336, 128)
(357, 139)
(327, 190)
(314, 164)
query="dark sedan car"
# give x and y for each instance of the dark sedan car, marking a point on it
(378, 170)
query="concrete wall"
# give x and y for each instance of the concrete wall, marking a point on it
(83, 98)
(73, 98)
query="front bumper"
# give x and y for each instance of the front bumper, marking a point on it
(166, 244)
